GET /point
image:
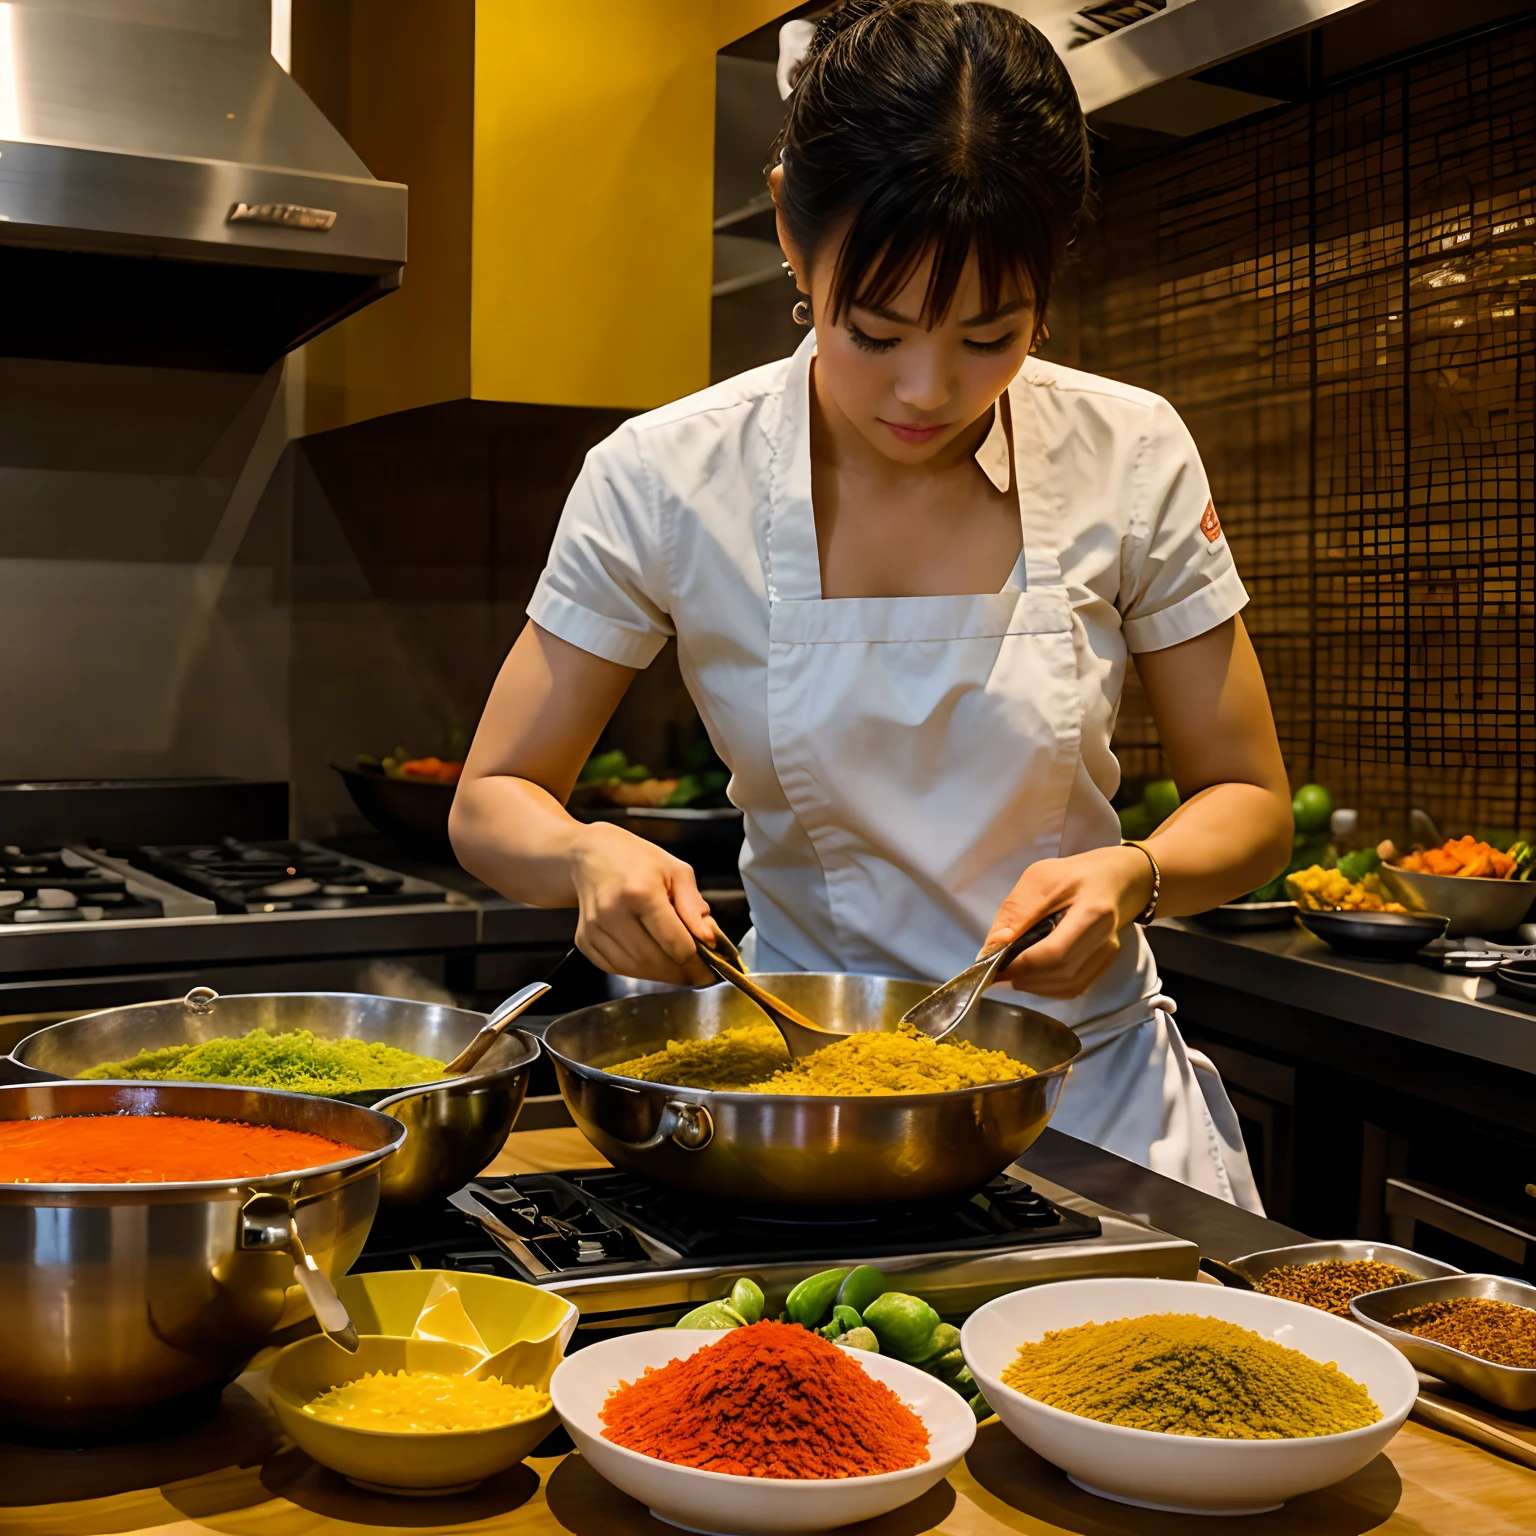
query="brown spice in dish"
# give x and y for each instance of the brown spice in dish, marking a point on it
(1331, 1284)
(1498, 1331)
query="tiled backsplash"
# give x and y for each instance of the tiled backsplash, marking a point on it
(1377, 479)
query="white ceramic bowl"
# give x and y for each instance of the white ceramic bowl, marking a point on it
(1183, 1473)
(720, 1504)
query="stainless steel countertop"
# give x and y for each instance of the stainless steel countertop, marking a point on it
(1463, 1014)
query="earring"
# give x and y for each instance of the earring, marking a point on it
(789, 269)
(801, 313)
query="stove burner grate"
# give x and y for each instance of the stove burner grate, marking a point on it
(281, 877)
(58, 885)
(605, 1221)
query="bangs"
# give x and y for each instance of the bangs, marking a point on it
(889, 240)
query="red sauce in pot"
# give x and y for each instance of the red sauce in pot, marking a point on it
(153, 1149)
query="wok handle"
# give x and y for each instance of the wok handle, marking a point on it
(689, 1126)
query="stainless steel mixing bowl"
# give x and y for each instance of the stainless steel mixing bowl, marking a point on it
(116, 1298)
(789, 1149)
(456, 1127)
(1472, 905)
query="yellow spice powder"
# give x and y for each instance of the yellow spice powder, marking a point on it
(426, 1402)
(752, 1059)
(1181, 1374)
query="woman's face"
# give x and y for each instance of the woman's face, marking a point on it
(909, 388)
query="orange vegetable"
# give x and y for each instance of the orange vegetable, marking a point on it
(1463, 857)
(432, 770)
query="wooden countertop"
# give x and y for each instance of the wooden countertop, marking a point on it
(237, 1475)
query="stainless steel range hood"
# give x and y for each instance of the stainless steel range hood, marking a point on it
(170, 197)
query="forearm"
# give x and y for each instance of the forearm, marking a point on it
(518, 838)
(1220, 844)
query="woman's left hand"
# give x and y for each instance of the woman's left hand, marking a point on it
(1098, 894)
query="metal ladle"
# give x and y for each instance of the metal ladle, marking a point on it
(947, 1007)
(490, 1033)
(801, 1035)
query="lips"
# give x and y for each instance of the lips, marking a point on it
(908, 433)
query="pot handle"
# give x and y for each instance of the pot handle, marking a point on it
(282, 1231)
(687, 1125)
(200, 1000)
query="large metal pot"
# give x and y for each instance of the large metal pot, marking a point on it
(117, 1298)
(456, 1127)
(787, 1149)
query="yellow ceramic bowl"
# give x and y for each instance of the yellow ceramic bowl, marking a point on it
(386, 1461)
(503, 1312)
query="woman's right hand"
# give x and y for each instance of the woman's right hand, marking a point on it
(640, 908)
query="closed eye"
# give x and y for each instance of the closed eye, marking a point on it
(1001, 344)
(868, 343)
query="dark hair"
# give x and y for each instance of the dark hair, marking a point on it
(940, 127)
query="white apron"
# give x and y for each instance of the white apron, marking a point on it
(950, 728)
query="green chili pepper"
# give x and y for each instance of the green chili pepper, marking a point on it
(747, 1298)
(844, 1319)
(859, 1338)
(905, 1325)
(713, 1314)
(948, 1367)
(861, 1287)
(981, 1408)
(945, 1337)
(807, 1304)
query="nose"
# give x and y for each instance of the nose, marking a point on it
(922, 383)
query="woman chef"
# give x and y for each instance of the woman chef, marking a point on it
(905, 568)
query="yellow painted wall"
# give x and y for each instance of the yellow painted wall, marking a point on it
(565, 257)
(397, 78)
(594, 145)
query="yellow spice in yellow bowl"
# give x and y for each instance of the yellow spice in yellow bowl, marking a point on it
(400, 1417)
(425, 1402)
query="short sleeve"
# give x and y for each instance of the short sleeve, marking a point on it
(604, 587)
(1177, 576)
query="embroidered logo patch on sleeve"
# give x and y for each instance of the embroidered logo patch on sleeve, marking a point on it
(1210, 524)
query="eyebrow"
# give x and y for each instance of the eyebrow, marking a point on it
(988, 319)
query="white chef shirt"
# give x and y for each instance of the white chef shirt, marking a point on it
(667, 531)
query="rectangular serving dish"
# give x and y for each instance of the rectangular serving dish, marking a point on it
(1350, 1250)
(1506, 1386)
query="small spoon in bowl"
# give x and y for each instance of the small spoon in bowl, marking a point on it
(490, 1031)
(801, 1035)
(948, 1006)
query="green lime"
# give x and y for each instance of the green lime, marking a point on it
(1161, 798)
(1312, 806)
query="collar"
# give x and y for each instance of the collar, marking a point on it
(995, 457)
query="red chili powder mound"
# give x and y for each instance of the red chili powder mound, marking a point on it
(772, 1400)
(153, 1149)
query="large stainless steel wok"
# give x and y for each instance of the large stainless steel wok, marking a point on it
(456, 1127)
(116, 1298)
(801, 1149)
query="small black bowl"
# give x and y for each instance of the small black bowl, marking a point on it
(412, 813)
(1247, 916)
(1518, 978)
(1374, 935)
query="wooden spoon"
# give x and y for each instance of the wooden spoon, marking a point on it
(801, 1035)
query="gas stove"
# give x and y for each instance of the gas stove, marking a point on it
(239, 876)
(76, 883)
(629, 1252)
(65, 885)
